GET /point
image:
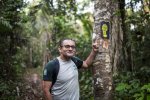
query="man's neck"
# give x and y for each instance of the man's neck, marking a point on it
(64, 58)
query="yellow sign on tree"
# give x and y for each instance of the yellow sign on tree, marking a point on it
(105, 29)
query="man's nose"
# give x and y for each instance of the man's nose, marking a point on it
(70, 48)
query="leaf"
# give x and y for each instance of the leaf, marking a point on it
(141, 98)
(146, 87)
(137, 95)
(122, 86)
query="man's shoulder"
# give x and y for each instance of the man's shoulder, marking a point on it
(52, 63)
(75, 57)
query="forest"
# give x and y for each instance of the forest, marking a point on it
(31, 29)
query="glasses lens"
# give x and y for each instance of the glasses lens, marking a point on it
(69, 46)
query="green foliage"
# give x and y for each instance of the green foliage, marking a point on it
(132, 86)
(11, 40)
(137, 35)
(86, 90)
(144, 93)
(132, 91)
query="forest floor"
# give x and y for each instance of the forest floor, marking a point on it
(31, 88)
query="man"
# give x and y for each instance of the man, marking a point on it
(66, 86)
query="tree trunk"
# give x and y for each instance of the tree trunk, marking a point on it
(117, 38)
(109, 35)
(46, 53)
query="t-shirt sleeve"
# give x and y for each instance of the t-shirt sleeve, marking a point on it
(78, 62)
(47, 72)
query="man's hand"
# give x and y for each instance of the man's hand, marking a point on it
(95, 47)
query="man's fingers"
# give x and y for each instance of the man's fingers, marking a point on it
(95, 45)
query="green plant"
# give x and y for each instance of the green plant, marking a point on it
(129, 86)
(144, 93)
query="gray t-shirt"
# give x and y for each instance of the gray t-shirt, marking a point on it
(66, 86)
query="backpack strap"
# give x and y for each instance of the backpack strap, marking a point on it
(55, 69)
(77, 62)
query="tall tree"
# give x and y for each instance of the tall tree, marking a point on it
(109, 35)
(11, 41)
(10, 37)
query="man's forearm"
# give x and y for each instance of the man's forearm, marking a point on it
(90, 58)
(48, 95)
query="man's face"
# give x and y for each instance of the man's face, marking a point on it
(67, 48)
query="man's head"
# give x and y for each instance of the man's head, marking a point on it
(67, 48)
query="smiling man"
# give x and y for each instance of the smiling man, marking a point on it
(60, 76)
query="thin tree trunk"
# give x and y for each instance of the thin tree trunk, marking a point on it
(46, 41)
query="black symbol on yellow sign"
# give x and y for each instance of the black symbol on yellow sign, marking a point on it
(105, 29)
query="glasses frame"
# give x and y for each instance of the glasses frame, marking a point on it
(69, 46)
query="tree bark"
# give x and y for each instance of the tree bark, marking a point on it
(109, 35)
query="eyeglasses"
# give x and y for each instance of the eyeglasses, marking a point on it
(69, 46)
